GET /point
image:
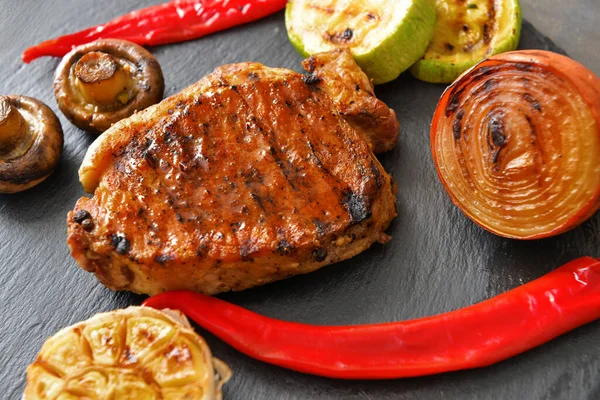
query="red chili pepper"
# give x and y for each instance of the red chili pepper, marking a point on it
(174, 21)
(475, 336)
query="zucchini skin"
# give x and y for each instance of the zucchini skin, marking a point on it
(395, 53)
(439, 71)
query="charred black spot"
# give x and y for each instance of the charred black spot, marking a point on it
(310, 64)
(523, 66)
(487, 37)
(496, 129)
(164, 258)
(321, 227)
(357, 87)
(496, 136)
(449, 46)
(347, 34)
(150, 159)
(149, 142)
(457, 124)
(341, 37)
(202, 250)
(234, 88)
(253, 76)
(484, 71)
(311, 79)
(87, 224)
(284, 247)
(120, 243)
(246, 249)
(179, 218)
(534, 103)
(453, 104)
(81, 216)
(357, 206)
(319, 254)
(258, 200)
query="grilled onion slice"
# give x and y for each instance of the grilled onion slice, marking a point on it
(136, 353)
(516, 143)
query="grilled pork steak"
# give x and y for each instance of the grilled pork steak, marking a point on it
(248, 176)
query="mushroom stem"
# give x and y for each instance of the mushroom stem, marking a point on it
(101, 80)
(12, 127)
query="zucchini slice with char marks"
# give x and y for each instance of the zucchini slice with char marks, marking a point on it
(466, 32)
(385, 37)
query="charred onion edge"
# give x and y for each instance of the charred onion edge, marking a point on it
(583, 82)
(31, 168)
(150, 85)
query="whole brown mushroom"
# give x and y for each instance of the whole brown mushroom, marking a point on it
(103, 82)
(31, 143)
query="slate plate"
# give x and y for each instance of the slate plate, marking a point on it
(437, 261)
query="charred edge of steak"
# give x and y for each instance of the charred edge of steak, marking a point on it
(164, 258)
(120, 243)
(357, 206)
(311, 80)
(319, 254)
(84, 218)
(283, 245)
(81, 216)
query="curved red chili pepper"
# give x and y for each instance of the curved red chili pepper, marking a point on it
(475, 336)
(174, 21)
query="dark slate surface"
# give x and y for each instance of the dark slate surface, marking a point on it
(437, 261)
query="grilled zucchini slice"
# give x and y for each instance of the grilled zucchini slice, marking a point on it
(385, 37)
(136, 353)
(466, 32)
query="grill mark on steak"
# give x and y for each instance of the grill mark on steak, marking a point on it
(280, 138)
(271, 140)
(348, 143)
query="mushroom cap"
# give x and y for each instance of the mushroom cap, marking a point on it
(146, 73)
(42, 157)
